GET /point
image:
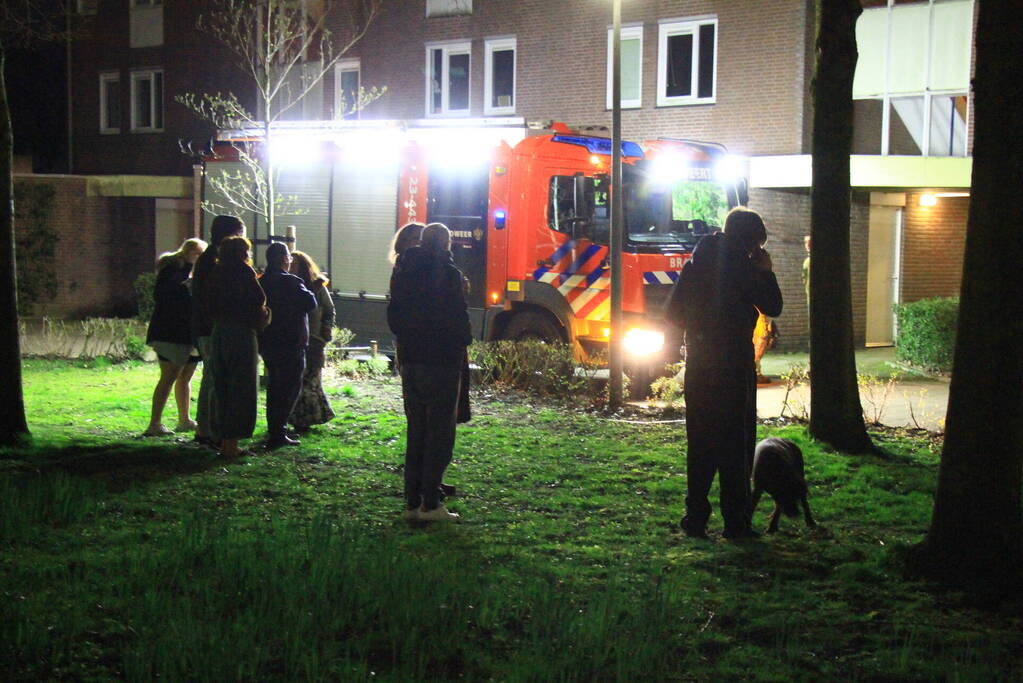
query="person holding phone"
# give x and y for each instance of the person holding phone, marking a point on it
(716, 301)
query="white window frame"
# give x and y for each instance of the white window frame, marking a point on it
(447, 8)
(342, 67)
(137, 76)
(674, 27)
(104, 105)
(447, 49)
(492, 45)
(627, 33)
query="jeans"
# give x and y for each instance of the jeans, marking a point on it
(431, 401)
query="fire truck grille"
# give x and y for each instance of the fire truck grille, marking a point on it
(656, 297)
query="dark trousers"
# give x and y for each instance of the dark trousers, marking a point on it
(721, 430)
(283, 383)
(431, 401)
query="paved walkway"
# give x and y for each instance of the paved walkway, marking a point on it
(913, 402)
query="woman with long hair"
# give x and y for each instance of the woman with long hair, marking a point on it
(312, 407)
(170, 337)
(238, 310)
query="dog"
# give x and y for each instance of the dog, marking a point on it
(778, 471)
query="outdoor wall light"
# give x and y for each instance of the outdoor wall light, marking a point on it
(928, 200)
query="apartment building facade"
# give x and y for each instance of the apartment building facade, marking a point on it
(737, 73)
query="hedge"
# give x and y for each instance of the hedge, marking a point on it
(927, 330)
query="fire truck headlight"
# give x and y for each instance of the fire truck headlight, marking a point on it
(641, 342)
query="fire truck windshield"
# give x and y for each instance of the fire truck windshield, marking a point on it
(678, 209)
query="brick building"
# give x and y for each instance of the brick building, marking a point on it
(732, 72)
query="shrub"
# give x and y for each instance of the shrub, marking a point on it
(534, 366)
(115, 339)
(144, 285)
(926, 335)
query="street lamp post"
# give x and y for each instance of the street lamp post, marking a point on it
(617, 329)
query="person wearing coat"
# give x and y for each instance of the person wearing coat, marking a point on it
(283, 343)
(716, 301)
(170, 338)
(237, 308)
(312, 407)
(428, 314)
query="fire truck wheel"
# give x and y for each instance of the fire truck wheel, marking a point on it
(533, 325)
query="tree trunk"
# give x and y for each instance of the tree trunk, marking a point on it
(13, 427)
(836, 416)
(976, 532)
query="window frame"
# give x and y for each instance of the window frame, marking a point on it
(106, 77)
(630, 32)
(346, 66)
(447, 48)
(690, 26)
(137, 76)
(492, 45)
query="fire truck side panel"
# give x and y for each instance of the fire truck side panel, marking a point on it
(499, 211)
(310, 185)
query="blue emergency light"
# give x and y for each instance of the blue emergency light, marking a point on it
(600, 145)
(499, 218)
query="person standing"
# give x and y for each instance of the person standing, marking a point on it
(223, 227)
(169, 335)
(716, 301)
(283, 343)
(429, 316)
(312, 407)
(238, 311)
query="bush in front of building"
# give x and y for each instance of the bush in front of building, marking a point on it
(144, 285)
(927, 331)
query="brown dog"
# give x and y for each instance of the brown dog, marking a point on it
(778, 470)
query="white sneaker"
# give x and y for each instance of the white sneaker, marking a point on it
(158, 430)
(410, 515)
(438, 514)
(186, 426)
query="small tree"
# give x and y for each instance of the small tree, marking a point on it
(285, 49)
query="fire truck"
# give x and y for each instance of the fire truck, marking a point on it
(528, 208)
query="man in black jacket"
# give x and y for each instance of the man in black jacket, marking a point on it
(717, 299)
(283, 343)
(428, 314)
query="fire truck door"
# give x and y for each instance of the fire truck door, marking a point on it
(457, 197)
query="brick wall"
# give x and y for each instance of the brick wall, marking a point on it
(787, 215)
(562, 66)
(933, 243)
(103, 244)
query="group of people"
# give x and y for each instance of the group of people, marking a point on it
(211, 306)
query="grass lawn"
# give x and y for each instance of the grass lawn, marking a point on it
(123, 557)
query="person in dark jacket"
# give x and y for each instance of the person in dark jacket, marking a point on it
(716, 300)
(238, 311)
(170, 337)
(428, 314)
(283, 343)
(206, 432)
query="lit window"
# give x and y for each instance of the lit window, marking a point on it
(632, 66)
(447, 79)
(147, 100)
(499, 83)
(110, 103)
(686, 62)
(346, 89)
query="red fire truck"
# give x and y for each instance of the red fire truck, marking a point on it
(529, 212)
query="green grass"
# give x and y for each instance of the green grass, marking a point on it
(123, 557)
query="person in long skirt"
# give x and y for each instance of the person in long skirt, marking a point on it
(238, 309)
(312, 407)
(169, 336)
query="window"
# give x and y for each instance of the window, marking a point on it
(110, 103)
(632, 66)
(448, 8)
(499, 81)
(580, 206)
(686, 62)
(146, 3)
(147, 100)
(447, 79)
(346, 89)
